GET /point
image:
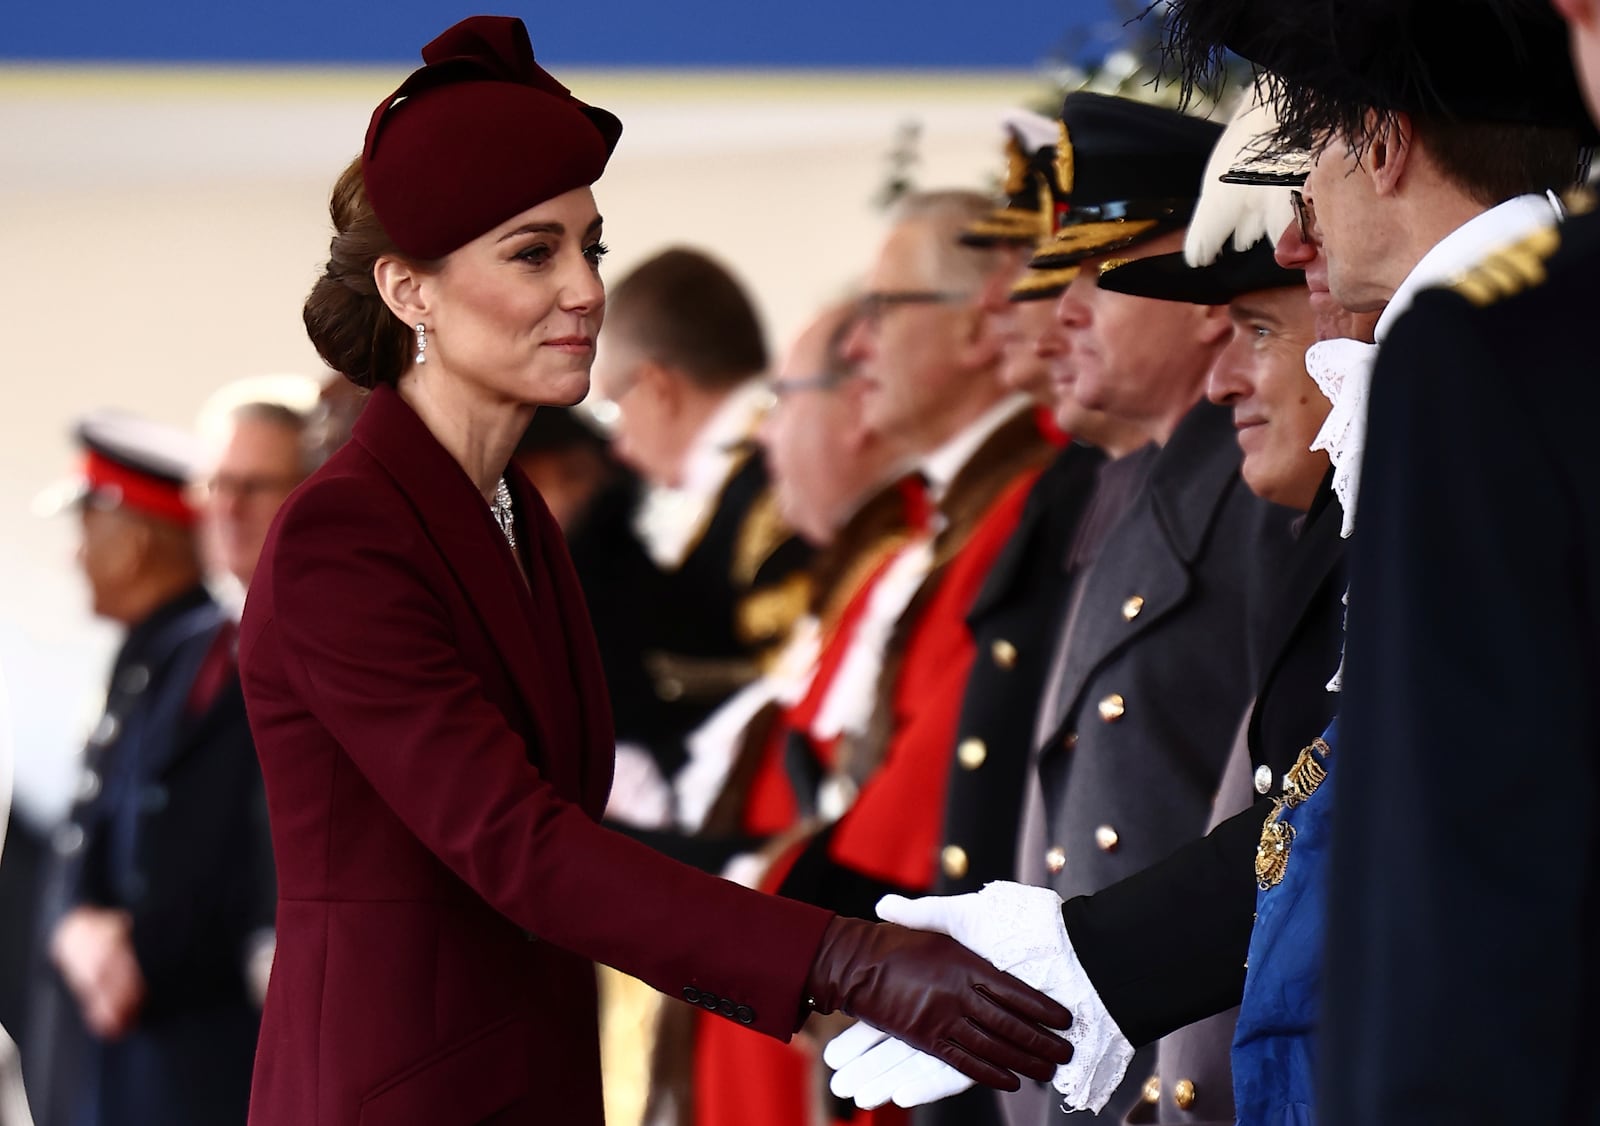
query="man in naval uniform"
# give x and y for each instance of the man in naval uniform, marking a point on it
(165, 871)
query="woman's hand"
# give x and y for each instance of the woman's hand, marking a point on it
(936, 995)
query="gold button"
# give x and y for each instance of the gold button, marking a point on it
(971, 753)
(1131, 608)
(1055, 860)
(1183, 1094)
(1004, 653)
(1152, 1089)
(954, 860)
(1112, 708)
(1106, 837)
(1070, 740)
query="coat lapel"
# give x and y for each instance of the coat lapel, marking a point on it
(455, 517)
(1150, 553)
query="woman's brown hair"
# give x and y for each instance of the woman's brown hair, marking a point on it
(354, 332)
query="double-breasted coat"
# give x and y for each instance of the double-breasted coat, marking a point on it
(435, 739)
(1156, 676)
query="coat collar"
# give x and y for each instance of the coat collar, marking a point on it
(1190, 476)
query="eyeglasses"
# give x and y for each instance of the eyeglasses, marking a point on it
(872, 306)
(821, 381)
(1304, 217)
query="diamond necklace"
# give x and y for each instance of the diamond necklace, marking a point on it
(500, 508)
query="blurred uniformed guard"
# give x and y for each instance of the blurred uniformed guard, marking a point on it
(163, 867)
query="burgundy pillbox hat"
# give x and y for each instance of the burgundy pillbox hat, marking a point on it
(478, 134)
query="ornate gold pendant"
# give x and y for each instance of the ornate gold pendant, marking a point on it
(1272, 854)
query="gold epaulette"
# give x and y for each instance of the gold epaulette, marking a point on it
(762, 533)
(1509, 270)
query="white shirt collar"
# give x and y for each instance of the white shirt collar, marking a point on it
(1468, 245)
(942, 465)
(669, 520)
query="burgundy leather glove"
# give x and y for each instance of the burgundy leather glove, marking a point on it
(938, 996)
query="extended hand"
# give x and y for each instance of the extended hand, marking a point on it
(940, 998)
(1020, 930)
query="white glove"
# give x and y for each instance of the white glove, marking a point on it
(1018, 929)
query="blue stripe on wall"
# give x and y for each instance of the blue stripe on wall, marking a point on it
(801, 33)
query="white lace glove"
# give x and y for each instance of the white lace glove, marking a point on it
(1018, 929)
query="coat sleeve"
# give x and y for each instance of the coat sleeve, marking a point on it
(1166, 946)
(1462, 893)
(369, 648)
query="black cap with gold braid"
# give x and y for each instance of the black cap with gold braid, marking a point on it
(1019, 220)
(1124, 172)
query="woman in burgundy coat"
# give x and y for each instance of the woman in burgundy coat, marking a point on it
(426, 697)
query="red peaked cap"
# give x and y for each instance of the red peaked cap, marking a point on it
(476, 136)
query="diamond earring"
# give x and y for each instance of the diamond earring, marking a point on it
(422, 344)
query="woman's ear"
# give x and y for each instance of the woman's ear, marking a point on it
(401, 286)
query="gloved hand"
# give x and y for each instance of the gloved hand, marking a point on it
(940, 998)
(1020, 930)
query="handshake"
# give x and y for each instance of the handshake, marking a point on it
(1019, 930)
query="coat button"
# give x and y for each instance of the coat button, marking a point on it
(1106, 837)
(88, 786)
(68, 839)
(1263, 778)
(1004, 653)
(105, 731)
(1131, 608)
(709, 1001)
(1069, 741)
(744, 1014)
(953, 859)
(1183, 1094)
(725, 1007)
(1055, 860)
(971, 753)
(1151, 1092)
(135, 680)
(1112, 708)
(690, 994)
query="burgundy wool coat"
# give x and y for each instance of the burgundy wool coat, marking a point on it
(436, 743)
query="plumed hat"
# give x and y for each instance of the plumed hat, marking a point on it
(1331, 62)
(1228, 247)
(478, 134)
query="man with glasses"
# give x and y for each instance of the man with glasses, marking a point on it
(928, 362)
(836, 482)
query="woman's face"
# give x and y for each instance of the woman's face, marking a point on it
(515, 312)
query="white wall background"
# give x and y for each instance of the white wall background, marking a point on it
(159, 230)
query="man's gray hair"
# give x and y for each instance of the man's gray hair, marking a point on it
(296, 422)
(943, 216)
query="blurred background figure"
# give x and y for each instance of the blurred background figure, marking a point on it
(680, 365)
(163, 883)
(13, 1099)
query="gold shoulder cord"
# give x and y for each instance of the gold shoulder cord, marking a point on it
(1277, 836)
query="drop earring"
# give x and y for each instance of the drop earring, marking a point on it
(422, 344)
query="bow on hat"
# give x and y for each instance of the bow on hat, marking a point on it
(495, 48)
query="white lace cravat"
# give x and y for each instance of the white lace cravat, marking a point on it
(1342, 370)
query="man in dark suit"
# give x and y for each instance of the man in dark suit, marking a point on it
(164, 867)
